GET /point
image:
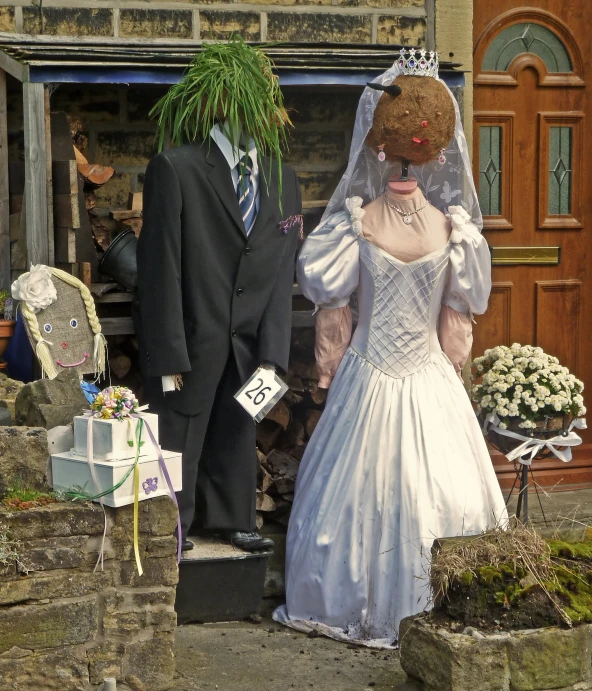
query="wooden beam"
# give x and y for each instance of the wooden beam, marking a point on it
(117, 326)
(14, 68)
(49, 178)
(4, 212)
(122, 326)
(112, 297)
(35, 173)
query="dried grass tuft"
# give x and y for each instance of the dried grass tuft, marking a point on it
(518, 545)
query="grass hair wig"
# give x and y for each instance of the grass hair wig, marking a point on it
(226, 82)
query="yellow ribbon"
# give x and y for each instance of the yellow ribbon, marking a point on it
(136, 496)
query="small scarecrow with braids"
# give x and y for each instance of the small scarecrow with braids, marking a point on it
(61, 322)
(221, 221)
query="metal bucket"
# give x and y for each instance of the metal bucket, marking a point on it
(119, 261)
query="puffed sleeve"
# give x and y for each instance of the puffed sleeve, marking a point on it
(328, 265)
(469, 282)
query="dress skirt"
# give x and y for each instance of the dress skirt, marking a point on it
(393, 464)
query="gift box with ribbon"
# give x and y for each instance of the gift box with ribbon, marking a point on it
(112, 439)
(70, 470)
(128, 465)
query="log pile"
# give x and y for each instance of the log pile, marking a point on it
(282, 436)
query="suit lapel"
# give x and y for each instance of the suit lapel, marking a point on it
(220, 178)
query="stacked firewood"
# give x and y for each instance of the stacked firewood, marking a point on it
(282, 436)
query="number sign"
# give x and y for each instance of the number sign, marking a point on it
(261, 393)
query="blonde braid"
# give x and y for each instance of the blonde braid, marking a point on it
(41, 350)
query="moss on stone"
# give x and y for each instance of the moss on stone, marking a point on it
(571, 550)
(508, 594)
(466, 578)
(488, 574)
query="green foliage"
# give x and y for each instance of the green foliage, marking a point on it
(227, 82)
(27, 494)
(466, 578)
(4, 295)
(21, 499)
(571, 550)
(488, 574)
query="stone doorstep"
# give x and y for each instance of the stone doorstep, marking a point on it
(534, 660)
(207, 548)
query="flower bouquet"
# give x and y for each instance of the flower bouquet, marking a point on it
(524, 393)
(114, 403)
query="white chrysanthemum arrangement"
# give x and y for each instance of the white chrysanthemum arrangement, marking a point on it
(524, 385)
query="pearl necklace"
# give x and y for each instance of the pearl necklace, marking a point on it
(406, 214)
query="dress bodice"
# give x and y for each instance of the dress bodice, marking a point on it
(399, 303)
(398, 306)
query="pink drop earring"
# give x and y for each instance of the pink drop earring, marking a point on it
(381, 154)
(442, 157)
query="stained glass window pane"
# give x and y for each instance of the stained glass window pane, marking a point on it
(526, 38)
(490, 170)
(560, 174)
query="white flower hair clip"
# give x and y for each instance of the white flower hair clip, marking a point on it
(354, 206)
(35, 288)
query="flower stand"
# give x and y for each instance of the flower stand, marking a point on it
(542, 442)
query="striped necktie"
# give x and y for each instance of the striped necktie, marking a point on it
(245, 192)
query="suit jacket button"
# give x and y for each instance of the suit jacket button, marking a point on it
(247, 250)
(233, 334)
(239, 292)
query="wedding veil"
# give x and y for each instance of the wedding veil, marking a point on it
(443, 184)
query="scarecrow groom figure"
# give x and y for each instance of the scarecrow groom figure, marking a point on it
(215, 275)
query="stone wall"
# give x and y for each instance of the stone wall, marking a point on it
(116, 118)
(65, 627)
(335, 21)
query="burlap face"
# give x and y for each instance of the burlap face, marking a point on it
(65, 326)
(416, 125)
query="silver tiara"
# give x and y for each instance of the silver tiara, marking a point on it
(418, 63)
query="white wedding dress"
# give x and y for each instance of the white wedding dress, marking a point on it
(398, 457)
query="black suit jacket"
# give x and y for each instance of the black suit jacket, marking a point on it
(205, 289)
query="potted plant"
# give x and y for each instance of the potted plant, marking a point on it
(524, 391)
(6, 325)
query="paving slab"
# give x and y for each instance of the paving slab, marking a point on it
(244, 656)
(562, 508)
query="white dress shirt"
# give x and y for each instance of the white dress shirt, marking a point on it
(233, 157)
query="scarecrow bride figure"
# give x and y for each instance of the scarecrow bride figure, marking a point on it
(398, 458)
